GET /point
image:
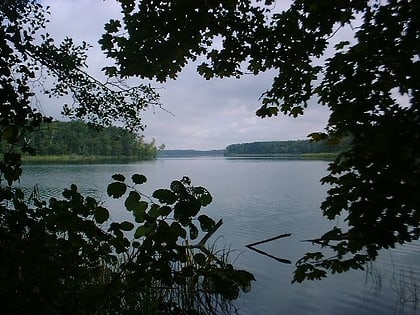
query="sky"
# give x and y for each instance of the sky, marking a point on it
(199, 114)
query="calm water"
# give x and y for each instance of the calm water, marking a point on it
(259, 199)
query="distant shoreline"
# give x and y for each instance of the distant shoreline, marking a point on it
(40, 159)
(48, 159)
(304, 156)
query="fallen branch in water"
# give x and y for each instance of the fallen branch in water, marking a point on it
(269, 239)
(282, 260)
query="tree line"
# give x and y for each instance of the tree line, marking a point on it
(77, 138)
(290, 147)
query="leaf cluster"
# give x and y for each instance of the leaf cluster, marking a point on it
(66, 256)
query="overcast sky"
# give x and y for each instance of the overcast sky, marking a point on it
(206, 114)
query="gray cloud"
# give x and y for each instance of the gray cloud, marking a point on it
(206, 114)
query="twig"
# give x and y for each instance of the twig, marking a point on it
(201, 245)
(284, 261)
(268, 240)
(210, 233)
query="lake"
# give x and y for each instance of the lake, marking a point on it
(259, 199)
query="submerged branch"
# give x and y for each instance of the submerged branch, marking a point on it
(282, 260)
(268, 240)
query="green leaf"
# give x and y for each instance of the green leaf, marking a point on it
(126, 226)
(144, 230)
(112, 26)
(138, 179)
(265, 111)
(154, 211)
(165, 196)
(132, 200)
(178, 230)
(140, 211)
(342, 44)
(101, 215)
(178, 187)
(118, 177)
(193, 231)
(140, 231)
(116, 189)
(203, 195)
(185, 209)
(243, 279)
(165, 211)
(206, 223)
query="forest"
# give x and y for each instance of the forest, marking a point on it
(291, 147)
(189, 153)
(76, 138)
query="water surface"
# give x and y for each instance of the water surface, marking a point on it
(258, 199)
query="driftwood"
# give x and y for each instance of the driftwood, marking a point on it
(282, 260)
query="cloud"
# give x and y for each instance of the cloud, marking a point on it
(206, 114)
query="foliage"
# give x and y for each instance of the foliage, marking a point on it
(77, 138)
(291, 147)
(190, 153)
(369, 79)
(28, 57)
(64, 256)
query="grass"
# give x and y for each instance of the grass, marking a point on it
(38, 159)
(320, 156)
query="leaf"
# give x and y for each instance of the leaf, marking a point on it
(118, 177)
(165, 211)
(267, 111)
(165, 196)
(342, 44)
(66, 193)
(243, 278)
(178, 230)
(141, 231)
(140, 211)
(101, 215)
(112, 26)
(132, 200)
(126, 226)
(203, 195)
(154, 211)
(138, 179)
(178, 187)
(185, 209)
(318, 136)
(144, 230)
(186, 180)
(193, 231)
(116, 189)
(206, 223)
